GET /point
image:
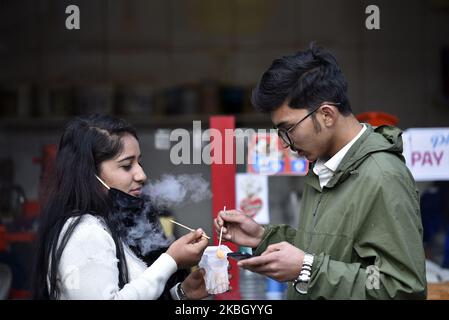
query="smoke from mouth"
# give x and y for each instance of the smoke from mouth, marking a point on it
(172, 191)
(143, 229)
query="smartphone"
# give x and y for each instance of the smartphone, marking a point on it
(239, 255)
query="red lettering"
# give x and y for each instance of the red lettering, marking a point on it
(416, 156)
(427, 158)
(438, 158)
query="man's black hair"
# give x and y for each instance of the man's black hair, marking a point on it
(303, 80)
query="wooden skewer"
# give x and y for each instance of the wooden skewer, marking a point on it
(181, 225)
(102, 182)
(219, 241)
(220, 253)
(221, 231)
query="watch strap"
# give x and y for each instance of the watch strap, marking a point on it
(180, 292)
(305, 274)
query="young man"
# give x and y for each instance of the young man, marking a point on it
(360, 233)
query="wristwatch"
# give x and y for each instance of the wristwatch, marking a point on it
(301, 284)
(180, 292)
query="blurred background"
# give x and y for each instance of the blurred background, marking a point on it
(161, 64)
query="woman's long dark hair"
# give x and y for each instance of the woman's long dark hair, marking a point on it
(73, 191)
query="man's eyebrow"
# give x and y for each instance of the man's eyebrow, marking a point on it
(282, 124)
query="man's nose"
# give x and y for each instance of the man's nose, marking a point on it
(284, 144)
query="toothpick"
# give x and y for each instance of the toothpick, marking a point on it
(181, 225)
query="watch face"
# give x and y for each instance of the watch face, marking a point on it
(301, 287)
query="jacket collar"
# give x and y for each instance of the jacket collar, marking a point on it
(380, 139)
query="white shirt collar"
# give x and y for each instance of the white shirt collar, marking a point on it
(325, 169)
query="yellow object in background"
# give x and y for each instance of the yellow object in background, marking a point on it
(167, 226)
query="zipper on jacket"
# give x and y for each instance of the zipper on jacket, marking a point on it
(314, 218)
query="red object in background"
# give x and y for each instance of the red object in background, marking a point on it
(31, 209)
(378, 118)
(47, 161)
(251, 205)
(2, 238)
(21, 236)
(6, 238)
(16, 294)
(223, 193)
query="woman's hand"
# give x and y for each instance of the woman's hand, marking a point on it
(187, 250)
(239, 228)
(194, 285)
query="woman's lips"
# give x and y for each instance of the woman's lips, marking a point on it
(136, 192)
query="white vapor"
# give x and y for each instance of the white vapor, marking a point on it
(172, 191)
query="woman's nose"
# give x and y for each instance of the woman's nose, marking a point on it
(140, 176)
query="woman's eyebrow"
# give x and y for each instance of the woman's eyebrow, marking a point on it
(129, 158)
(126, 158)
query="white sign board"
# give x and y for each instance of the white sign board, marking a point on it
(252, 196)
(162, 139)
(426, 151)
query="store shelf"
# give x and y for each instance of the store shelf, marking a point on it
(7, 238)
(140, 122)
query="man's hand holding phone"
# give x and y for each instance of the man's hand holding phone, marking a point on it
(239, 255)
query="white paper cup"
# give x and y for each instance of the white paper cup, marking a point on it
(216, 277)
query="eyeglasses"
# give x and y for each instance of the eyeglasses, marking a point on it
(284, 133)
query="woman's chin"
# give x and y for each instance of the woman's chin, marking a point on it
(136, 194)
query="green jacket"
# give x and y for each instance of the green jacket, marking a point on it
(366, 219)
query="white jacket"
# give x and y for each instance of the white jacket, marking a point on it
(88, 267)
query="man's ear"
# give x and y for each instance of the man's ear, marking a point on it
(330, 115)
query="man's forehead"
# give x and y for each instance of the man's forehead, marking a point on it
(284, 115)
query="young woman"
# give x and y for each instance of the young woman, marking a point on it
(84, 248)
